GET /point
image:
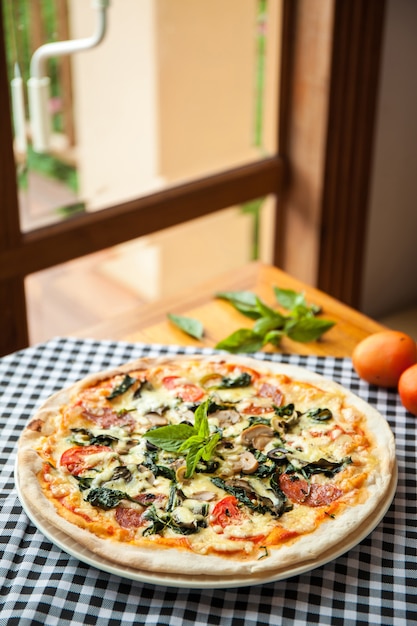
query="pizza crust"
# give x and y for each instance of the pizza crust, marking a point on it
(174, 560)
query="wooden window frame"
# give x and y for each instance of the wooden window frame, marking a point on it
(333, 219)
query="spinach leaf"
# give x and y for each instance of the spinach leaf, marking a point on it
(106, 499)
(319, 415)
(326, 467)
(246, 496)
(243, 380)
(126, 383)
(158, 470)
(159, 521)
(83, 483)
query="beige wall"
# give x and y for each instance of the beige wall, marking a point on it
(390, 277)
(116, 112)
(206, 73)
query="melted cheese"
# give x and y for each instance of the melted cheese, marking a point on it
(306, 442)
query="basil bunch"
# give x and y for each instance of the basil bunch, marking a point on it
(299, 324)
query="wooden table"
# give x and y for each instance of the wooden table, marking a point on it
(149, 324)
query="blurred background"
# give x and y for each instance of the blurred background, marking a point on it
(179, 90)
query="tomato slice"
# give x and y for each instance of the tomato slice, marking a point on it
(188, 392)
(226, 512)
(76, 459)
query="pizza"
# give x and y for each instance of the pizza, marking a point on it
(206, 464)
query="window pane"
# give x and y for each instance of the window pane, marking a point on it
(83, 293)
(176, 90)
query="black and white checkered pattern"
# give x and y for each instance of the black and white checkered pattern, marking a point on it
(374, 583)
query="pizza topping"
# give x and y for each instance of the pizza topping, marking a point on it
(225, 416)
(257, 436)
(129, 517)
(267, 390)
(77, 459)
(302, 492)
(107, 417)
(122, 387)
(319, 415)
(188, 392)
(248, 464)
(207, 448)
(226, 512)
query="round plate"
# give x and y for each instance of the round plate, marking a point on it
(70, 546)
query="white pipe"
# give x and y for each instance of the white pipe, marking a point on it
(38, 83)
(18, 106)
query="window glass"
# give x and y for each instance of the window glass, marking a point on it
(174, 91)
(85, 292)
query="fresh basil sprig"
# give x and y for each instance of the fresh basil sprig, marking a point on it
(271, 325)
(196, 441)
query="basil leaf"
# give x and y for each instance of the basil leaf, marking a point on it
(189, 325)
(265, 324)
(201, 425)
(193, 457)
(120, 389)
(208, 450)
(243, 340)
(244, 301)
(264, 309)
(171, 437)
(308, 329)
(274, 337)
(288, 298)
(194, 440)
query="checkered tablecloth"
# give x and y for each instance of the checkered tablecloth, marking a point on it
(374, 583)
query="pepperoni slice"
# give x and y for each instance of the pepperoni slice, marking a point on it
(106, 417)
(253, 409)
(300, 491)
(128, 517)
(267, 390)
(76, 459)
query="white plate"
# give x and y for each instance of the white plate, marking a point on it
(70, 546)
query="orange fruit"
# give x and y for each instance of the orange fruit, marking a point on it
(381, 358)
(407, 388)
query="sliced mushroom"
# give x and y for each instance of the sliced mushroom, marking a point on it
(248, 463)
(226, 416)
(204, 496)
(257, 436)
(156, 419)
